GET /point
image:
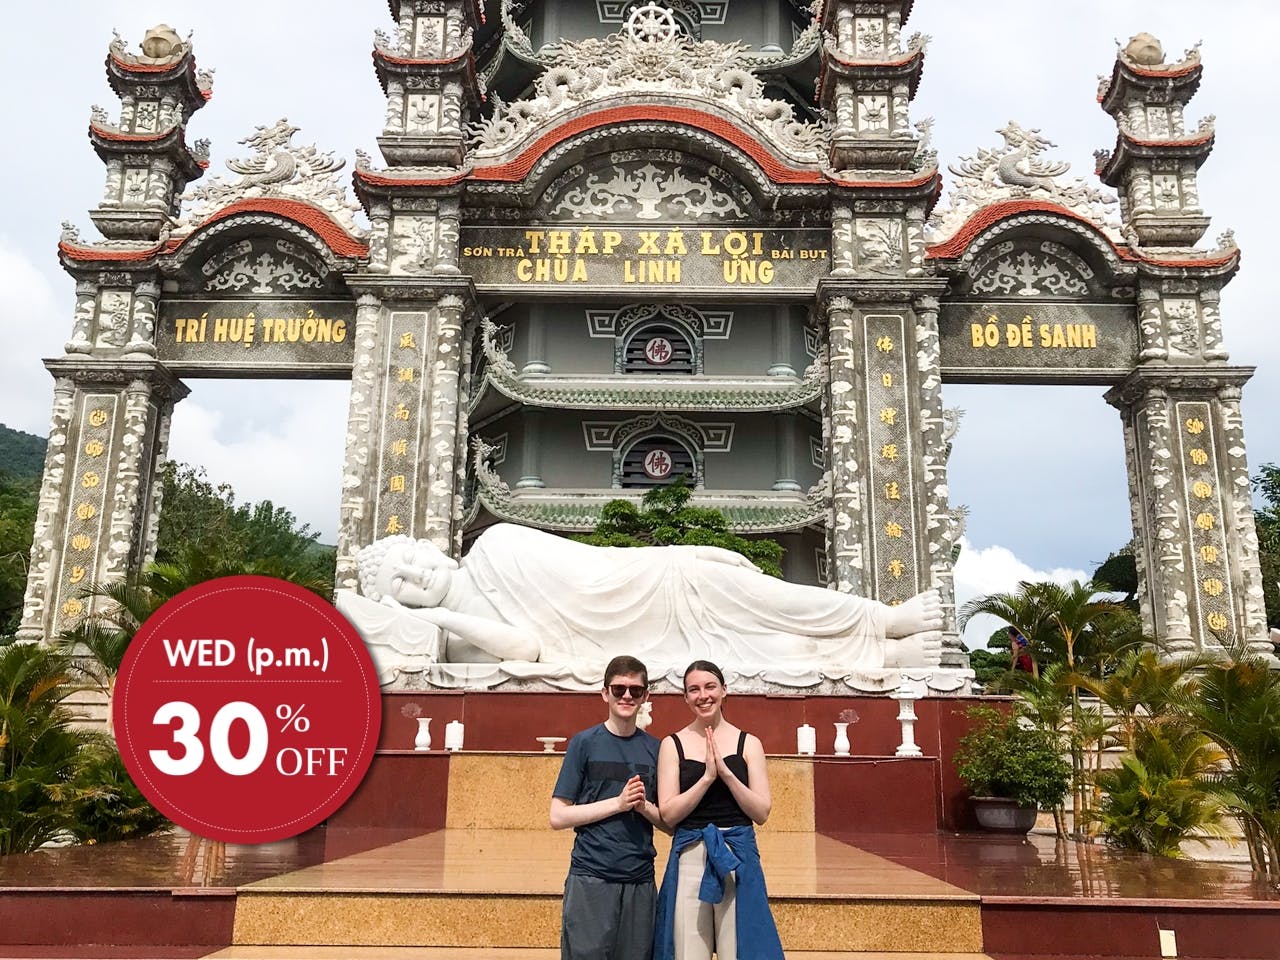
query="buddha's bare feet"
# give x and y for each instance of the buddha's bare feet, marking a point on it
(920, 614)
(918, 650)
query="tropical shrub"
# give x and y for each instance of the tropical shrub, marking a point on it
(42, 759)
(112, 807)
(1159, 797)
(1001, 756)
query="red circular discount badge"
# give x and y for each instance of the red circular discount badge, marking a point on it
(247, 709)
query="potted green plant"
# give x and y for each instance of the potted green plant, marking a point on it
(1012, 769)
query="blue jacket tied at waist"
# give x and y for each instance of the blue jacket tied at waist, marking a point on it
(733, 849)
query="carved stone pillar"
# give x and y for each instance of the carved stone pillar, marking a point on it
(891, 531)
(355, 524)
(142, 336)
(94, 520)
(531, 449)
(441, 439)
(782, 365)
(786, 439)
(939, 529)
(844, 451)
(536, 344)
(1193, 519)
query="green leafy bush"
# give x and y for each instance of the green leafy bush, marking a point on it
(110, 807)
(1159, 797)
(999, 757)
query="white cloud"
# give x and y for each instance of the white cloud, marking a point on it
(270, 441)
(995, 569)
(34, 327)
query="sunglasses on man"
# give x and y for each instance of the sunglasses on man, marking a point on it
(620, 690)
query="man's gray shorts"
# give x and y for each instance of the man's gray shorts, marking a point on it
(607, 921)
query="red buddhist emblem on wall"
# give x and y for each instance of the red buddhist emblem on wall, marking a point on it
(657, 464)
(658, 351)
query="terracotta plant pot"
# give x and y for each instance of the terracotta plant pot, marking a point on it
(1002, 815)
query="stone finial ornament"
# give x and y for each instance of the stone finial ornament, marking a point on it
(162, 43)
(1144, 50)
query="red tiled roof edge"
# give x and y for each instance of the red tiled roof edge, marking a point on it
(160, 68)
(1187, 142)
(919, 181)
(1163, 74)
(74, 251)
(989, 216)
(773, 168)
(993, 214)
(301, 213)
(377, 180)
(106, 134)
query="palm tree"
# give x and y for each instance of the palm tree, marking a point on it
(99, 641)
(1238, 707)
(1067, 623)
(43, 755)
(1159, 797)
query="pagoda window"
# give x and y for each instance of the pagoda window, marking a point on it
(656, 460)
(660, 348)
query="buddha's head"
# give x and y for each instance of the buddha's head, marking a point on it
(415, 573)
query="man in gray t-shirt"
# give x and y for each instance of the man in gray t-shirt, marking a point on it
(608, 792)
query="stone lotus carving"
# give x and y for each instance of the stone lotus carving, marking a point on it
(277, 168)
(161, 44)
(1018, 171)
(596, 68)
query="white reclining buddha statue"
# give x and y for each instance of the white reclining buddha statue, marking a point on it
(532, 605)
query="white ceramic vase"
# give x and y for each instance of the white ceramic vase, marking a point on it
(423, 740)
(842, 740)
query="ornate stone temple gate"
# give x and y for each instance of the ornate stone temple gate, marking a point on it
(615, 243)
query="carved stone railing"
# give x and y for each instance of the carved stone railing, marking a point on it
(578, 510)
(636, 391)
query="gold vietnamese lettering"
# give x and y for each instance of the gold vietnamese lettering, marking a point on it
(90, 480)
(1209, 554)
(97, 418)
(94, 448)
(1213, 587)
(1205, 521)
(1199, 457)
(77, 574)
(80, 543)
(1217, 621)
(1202, 490)
(1195, 426)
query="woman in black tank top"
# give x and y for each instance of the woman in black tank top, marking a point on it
(711, 776)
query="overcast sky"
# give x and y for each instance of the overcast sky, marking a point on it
(1041, 469)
